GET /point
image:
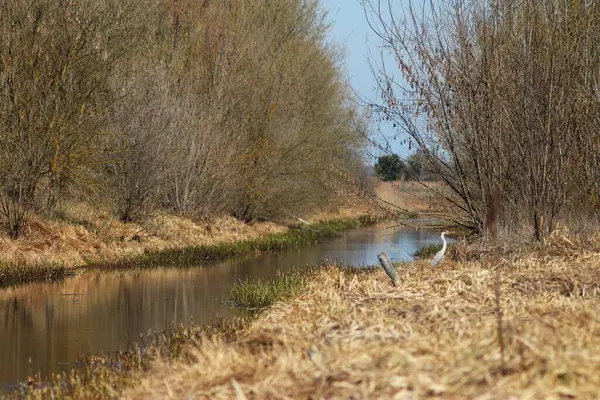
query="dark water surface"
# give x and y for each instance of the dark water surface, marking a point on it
(45, 327)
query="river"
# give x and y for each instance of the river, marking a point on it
(47, 326)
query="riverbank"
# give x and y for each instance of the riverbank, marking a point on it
(53, 249)
(80, 236)
(523, 323)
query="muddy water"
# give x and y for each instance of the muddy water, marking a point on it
(45, 327)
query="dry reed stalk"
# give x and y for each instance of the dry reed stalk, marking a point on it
(491, 214)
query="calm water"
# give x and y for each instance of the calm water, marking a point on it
(45, 327)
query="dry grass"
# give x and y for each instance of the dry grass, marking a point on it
(409, 195)
(347, 208)
(525, 325)
(83, 235)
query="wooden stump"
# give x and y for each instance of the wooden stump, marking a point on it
(388, 267)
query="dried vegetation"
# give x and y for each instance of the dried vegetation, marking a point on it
(520, 323)
(409, 195)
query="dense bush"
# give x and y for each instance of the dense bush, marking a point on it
(195, 107)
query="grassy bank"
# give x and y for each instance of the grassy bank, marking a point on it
(193, 255)
(12, 273)
(81, 236)
(15, 273)
(258, 295)
(427, 251)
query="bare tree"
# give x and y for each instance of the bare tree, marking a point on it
(497, 95)
(134, 164)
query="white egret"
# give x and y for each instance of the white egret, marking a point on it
(439, 257)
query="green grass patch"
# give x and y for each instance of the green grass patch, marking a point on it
(258, 294)
(195, 255)
(427, 251)
(17, 273)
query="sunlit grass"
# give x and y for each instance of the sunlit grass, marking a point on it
(474, 329)
(195, 255)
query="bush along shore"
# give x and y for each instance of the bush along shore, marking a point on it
(256, 295)
(296, 236)
(17, 273)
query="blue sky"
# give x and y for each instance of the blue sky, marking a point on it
(350, 29)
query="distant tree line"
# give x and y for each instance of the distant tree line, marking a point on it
(192, 107)
(503, 99)
(390, 167)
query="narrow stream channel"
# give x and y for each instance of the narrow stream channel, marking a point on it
(45, 327)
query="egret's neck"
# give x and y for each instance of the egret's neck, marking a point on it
(443, 240)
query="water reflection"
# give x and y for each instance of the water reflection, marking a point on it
(45, 327)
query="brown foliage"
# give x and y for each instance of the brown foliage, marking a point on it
(56, 60)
